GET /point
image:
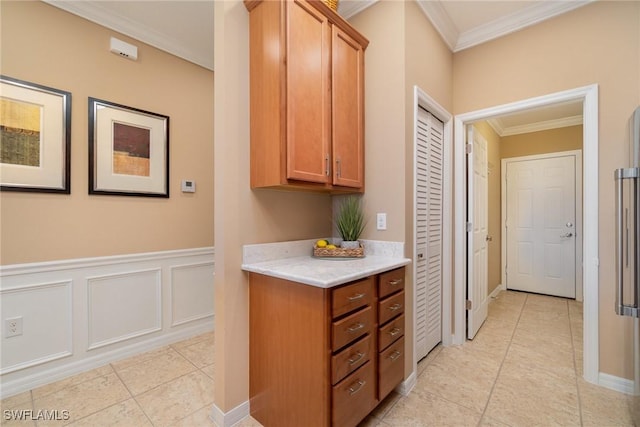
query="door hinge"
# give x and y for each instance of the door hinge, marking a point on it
(469, 227)
(468, 305)
(468, 148)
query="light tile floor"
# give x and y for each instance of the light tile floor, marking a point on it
(522, 369)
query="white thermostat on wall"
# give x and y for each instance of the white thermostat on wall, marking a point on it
(188, 186)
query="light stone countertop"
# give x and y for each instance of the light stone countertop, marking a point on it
(293, 261)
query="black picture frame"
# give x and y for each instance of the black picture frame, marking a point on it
(128, 151)
(35, 137)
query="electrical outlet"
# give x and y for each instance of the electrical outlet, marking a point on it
(13, 327)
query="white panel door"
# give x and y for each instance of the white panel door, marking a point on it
(540, 225)
(477, 253)
(428, 214)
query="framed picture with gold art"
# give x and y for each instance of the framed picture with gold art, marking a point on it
(35, 137)
(128, 151)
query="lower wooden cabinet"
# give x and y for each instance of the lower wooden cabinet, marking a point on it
(354, 397)
(391, 367)
(324, 357)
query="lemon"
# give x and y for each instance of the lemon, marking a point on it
(321, 243)
(331, 246)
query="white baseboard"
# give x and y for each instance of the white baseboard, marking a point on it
(407, 385)
(612, 382)
(29, 382)
(497, 290)
(231, 418)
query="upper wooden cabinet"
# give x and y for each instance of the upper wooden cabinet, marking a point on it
(307, 97)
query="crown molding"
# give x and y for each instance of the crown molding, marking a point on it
(531, 15)
(496, 125)
(441, 20)
(534, 127)
(349, 9)
(95, 13)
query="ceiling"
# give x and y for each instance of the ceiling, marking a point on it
(185, 28)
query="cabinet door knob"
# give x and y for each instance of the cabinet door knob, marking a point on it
(394, 332)
(393, 356)
(395, 307)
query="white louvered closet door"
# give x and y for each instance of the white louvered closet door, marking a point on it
(428, 238)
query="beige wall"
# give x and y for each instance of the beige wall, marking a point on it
(243, 216)
(382, 24)
(542, 142)
(597, 43)
(44, 45)
(494, 223)
(391, 73)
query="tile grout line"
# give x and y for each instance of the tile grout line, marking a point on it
(575, 368)
(502, 363)
(197, 369)
(132, 395)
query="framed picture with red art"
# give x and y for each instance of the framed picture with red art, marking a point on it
(128, 151)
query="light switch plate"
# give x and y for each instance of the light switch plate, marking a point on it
(381, 221)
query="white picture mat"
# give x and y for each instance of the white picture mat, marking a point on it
(105, 178)
(51, 172)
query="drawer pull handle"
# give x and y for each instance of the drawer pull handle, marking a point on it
(356, 387)
(393, 356)
(395, 331)
(355, 297)
(356, 359)
(395, 307)
(356, 327)
(395, 282)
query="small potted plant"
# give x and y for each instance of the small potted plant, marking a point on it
(350, 222)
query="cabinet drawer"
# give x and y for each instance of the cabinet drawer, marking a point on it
(391, 368)
(391, 332)
(351, 327)
(351, 358)
(391, 307)
(354, 397)
(352, 297)
(390, 282)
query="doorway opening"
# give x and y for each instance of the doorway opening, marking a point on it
(588, 96)
(541, 230)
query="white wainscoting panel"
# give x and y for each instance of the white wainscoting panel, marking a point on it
(124, 306)
(191, 292)
(80, 314)
(46, 313)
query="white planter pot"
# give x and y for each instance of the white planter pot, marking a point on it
(350, 244)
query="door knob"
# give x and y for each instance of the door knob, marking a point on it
(566, 235)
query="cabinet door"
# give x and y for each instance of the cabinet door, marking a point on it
(347, 110)
(308, 106)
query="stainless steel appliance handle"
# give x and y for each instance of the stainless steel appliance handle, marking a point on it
(622, 308)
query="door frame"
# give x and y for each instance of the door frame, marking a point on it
(577, 154)
(589, 97)
(420, 98)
